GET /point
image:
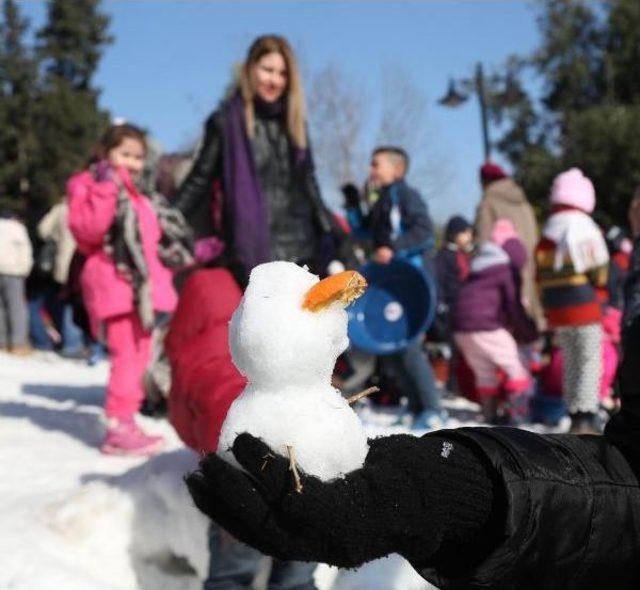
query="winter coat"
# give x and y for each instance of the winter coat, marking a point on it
(572, 515)
(205, 381)
(54, 226)
(452, 270)
(572, 503)
(618, 269)
(400, 220)
(572, 297)
(16, 256)
(297, 215)
(504, 199)
(490, 298)
(106, 293)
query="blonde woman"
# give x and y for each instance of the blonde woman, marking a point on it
(251, 192)
(252, 185)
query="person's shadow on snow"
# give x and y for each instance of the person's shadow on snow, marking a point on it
(168, 535)
(85, 395)
(75, 416)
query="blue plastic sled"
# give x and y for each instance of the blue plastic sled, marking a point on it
(397, 307)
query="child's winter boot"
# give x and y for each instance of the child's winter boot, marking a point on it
(125, 437)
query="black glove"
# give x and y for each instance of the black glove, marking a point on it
(411, 495)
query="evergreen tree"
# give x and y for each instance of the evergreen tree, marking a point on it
(18, 84)
(589, 115)
(69, 118)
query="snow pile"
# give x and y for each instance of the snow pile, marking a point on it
(76, 520)
(287, 354)
(73, 518)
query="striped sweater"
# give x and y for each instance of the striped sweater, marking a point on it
(569, 298)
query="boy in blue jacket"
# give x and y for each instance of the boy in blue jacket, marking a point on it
(401, 226)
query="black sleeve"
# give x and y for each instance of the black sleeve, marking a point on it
(448, 277)
(197, 184)
(324, 216)
(417, 225)
(380, 219)
(624, 428)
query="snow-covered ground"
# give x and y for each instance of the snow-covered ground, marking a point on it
(73, 519)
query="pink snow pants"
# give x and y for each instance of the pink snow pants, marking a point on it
(130, 350)
(487, 353)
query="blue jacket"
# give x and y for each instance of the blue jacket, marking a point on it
(400, 220)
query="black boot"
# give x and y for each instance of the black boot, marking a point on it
(584, 423)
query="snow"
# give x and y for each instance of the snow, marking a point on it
(73, 519)
(287, 354)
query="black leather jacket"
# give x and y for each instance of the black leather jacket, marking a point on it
(572, 502)
(572, 517)
(297, 216)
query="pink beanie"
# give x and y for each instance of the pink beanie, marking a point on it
(574, 189)
(502, 231)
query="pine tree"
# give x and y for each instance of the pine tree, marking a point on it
(69, 118)
(18, 86)
(589, 115)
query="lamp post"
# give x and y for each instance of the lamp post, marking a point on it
(453, 98)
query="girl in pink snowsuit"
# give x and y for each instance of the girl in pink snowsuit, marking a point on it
(123, 280)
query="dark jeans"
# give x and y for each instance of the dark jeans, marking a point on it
(62, 315)
(233, 566)
(415, 378)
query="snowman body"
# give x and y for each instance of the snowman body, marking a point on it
(288, 354)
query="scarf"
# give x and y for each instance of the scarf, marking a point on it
(124, 245)
(244, 199)
(578, 238)
(176, 246)
(245, 202)
(123, 242)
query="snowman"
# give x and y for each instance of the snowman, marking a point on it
(285, 337)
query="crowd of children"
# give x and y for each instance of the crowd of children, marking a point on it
(484, 319)
(502, 352)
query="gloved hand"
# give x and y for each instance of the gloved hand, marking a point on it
(403, 500)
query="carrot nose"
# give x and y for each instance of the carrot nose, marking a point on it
(344, 287)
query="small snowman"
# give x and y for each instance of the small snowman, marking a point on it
(285, 337)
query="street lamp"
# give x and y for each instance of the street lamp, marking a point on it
(455, 97)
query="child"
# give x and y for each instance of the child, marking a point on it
(15, 264)
(488, 305)
(620, 247)
(452, 270)
(401, 226)
(123, 281)
(400, 221)
(572, 262)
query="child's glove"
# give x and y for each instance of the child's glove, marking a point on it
(412, 496)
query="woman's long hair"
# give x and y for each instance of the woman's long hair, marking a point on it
(294, 96)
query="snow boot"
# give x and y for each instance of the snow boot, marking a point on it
(430, 420)
(125, 437)
(584, 423)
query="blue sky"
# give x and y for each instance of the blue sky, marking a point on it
(172, 59)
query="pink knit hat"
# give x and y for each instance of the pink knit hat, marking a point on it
(574, 189)
(502, 231)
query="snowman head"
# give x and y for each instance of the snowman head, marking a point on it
(290, 327)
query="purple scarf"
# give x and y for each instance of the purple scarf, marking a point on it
(243, 196)
(247, 206)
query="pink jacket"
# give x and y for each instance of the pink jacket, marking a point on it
(92, 207)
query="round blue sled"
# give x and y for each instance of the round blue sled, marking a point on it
(398, 306)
